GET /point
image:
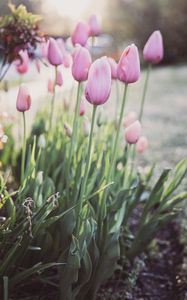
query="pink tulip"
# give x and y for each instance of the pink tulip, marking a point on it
(54, 53)
(66, 56)
(133, 132)
(82, 107)
(67, 60)
(98, 86)
(61, 45)
(22, 65)
(130, 118)
(59, 79)
(50, 86)
(94, 26)
(23, 99)
(142, 144)
(113, 66)
(80, 34)
(128, 69)
(81, 63)
(154, 51)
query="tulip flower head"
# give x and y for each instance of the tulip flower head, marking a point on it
(98, 86)
(81, 63)
(67, 60)
(22, 65)
(113, 66)
(59, 79)
(154, 51)
(61, 45)
(94, 26)
(133, 133)
(128, 69)
(130, 118)
(54, 53)
(80, 34)
(23, 99)
(142, 144)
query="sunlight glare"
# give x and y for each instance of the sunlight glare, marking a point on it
(70, 8)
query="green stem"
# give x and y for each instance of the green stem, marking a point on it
(87, 168)
(127, 153)
(5, 283)
(133, 154)
(2, 75)
(114, 151)
(144, 92)
(117, 100)
(74, 133)
(24, 149)
(53, 101)
(115, 145)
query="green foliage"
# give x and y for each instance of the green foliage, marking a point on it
(18, 31)
(89, 255)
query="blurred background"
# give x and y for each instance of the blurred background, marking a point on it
(123, 21)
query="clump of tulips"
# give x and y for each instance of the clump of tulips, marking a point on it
(78, 187)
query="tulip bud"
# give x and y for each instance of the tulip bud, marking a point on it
(59, 79)
(61, 45)
(113, 66)
(50, 86)
(81, 63)
(80, 34)
(98, 86)
(154, 51)
(68, 130)
(130, 118)
(54, 53)
(23, 99)
(82, 107)
(22, 65)
(67, 60)
(142, 144)
(94, 26)
(128, 69)
(133, 132)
